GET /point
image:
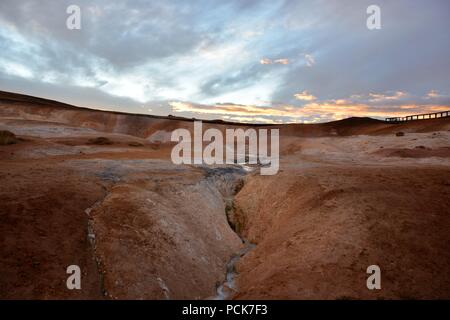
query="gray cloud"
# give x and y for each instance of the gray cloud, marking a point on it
(83, 97)
(235, 79)
(137, 50)
(409, 53)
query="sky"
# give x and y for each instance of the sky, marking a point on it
(248, 61)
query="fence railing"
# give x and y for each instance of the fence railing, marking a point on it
(435, 115)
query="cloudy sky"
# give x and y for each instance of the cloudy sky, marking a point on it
(246, 60)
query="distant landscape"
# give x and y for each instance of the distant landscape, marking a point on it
(98, 189)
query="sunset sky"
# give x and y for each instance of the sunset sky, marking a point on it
(247, 60)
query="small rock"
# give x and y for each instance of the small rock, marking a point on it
(135, 144)
(7, 137)
(100, 141)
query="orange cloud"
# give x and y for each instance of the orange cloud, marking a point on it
(282, 61)
(433, 94)
(305, 96)
(270, 61)
(312, 111)
(378, 97)
(340, 111)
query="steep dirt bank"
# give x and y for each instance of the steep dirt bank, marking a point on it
(317, 230)
(160, 236)
(158, 230)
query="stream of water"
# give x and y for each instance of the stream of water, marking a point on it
(228, 287)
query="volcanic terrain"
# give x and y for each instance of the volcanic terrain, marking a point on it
(98, 189)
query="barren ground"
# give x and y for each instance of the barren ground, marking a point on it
(348, 195)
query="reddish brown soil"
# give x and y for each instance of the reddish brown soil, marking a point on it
(418, 152)
(43, 230)
(349, 194)
(144, 216)
(317, 230)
